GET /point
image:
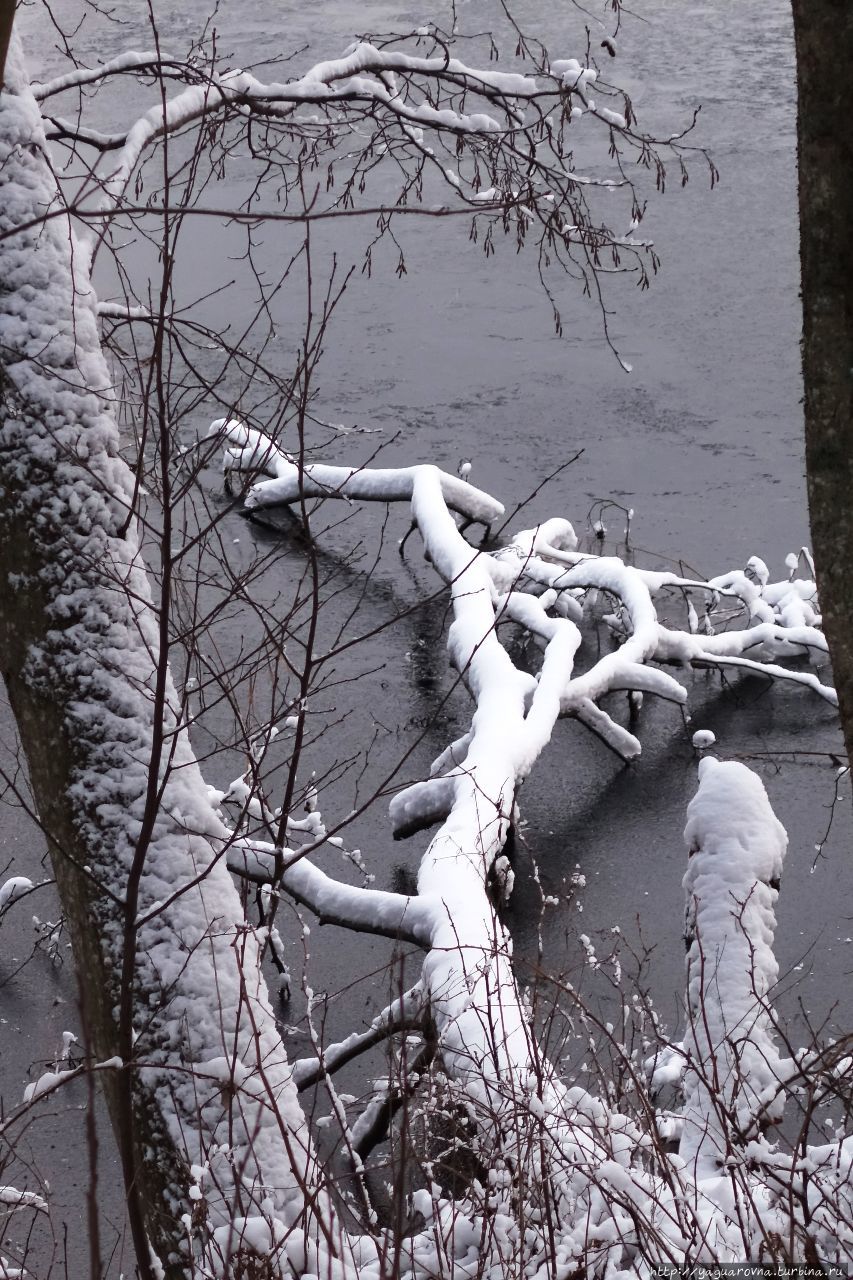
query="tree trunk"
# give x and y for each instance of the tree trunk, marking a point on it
(824, 43)
(169, 971)
(7, 17)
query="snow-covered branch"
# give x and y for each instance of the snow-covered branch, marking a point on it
(402, 1014)
(131, 61)
(499, 143)
(366, 484)
(394, 915)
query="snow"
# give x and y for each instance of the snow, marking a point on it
(370, 910)
(14, 1199)
(737, 848)
(14, 887)
(129, 61)
(370, 484)
(46, 1083)
(421, 804)
(618, 121)
(249, 450)
(573, 75)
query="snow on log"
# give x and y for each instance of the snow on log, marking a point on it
(248, 450)
(513, 1095)
(421, 805)
(736, 849)
(370, 484)
(393, 915)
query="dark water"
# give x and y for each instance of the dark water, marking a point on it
(702, 439)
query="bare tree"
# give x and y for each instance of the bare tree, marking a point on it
(175, 890)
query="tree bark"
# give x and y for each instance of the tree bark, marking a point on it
(7, 17)
(201, 1076)
(824, 45)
